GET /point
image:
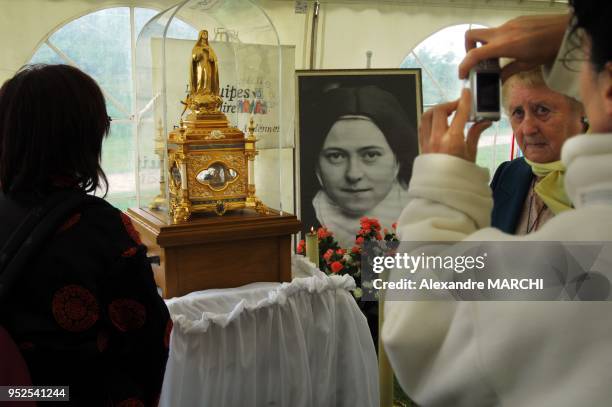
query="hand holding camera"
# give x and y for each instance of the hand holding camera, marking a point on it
(436, 136)
(479, 104)
(530, 41)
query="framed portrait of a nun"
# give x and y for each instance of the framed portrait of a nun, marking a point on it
(357, 140)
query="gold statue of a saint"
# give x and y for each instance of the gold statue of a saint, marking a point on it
(204, 67)
(203, 78)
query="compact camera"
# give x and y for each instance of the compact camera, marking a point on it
(485, 85)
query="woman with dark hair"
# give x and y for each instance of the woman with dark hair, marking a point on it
(497, 353)
(84, 308)
(365, 146)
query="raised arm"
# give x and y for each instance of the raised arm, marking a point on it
(529, 40)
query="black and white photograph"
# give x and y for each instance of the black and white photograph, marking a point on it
(358, 138)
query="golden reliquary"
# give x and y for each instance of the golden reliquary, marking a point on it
(210, 163)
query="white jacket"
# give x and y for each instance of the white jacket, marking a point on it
(504, 353)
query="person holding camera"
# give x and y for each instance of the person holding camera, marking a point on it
(511, 353)
(528, 191)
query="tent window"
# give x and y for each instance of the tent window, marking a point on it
(439, 56)
(102, 44)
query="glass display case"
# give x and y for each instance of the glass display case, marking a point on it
(255, 85)
(215, 147)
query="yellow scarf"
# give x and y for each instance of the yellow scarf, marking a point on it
(550, 187)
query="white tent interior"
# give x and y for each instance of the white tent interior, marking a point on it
(391, 29)
(346, 32)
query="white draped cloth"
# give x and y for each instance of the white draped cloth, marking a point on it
(303, 343)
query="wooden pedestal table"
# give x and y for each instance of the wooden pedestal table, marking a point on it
(213, 251)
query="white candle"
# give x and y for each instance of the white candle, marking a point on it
(312, 247)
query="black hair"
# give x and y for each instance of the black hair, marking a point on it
(376, 104)
(594, 18)
(52, 122)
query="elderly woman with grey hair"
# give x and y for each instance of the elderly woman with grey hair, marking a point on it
(528, 191)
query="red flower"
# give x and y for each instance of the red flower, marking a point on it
(378, 236)
(328, 255)
(359, 240)
(322, 233)
(386, 231)
(356, 250)
(340, 252)
(394, 226)
(336, 267)
(300, 248)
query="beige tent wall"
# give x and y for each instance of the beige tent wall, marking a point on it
(391, 31)
(346, 29)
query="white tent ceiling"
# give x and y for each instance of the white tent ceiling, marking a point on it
(389, 27)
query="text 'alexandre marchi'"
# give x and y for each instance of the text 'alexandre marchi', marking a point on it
(469, 284)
